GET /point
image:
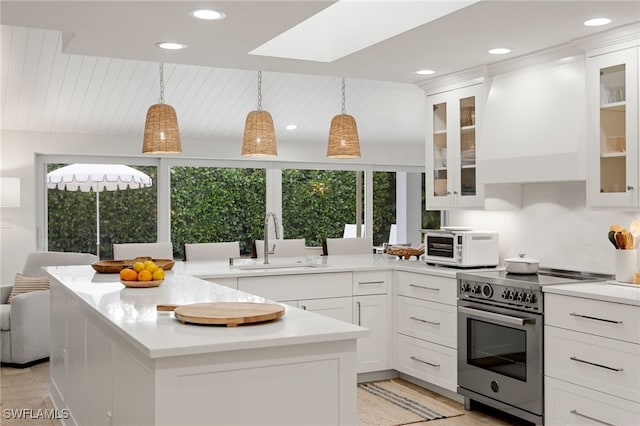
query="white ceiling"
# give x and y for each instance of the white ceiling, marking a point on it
(92, 67)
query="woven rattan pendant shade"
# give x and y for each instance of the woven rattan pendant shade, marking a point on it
(343, 134)
(161, 135)
(259, 135)
(343, 137)
(259, 138)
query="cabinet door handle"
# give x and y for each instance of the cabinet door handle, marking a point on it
(573, 314)
(370, 282)
(573, 358)
(424, 320)
(629, 188)
(424, 287)
(359, 309)
(590, 418)
(424, 362)
(304, 307)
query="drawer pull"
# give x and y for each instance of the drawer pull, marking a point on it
(424, 287)
(590, 418)
(370, 282)
(573, 358)
(424, 362)
(424, 320)
(573, 314)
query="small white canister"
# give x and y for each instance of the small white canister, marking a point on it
(626, 265)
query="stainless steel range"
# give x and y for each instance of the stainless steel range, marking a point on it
(500, 338)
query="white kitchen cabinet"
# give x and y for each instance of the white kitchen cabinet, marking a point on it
(592, 361)
(371, 311)
(371, 282)
(451, 148)
(426, 331)
(339, 308)
(298, 287)
(612, 89)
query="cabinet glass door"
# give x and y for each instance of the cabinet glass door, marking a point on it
(613, 143)
(468, 146)
(440, 156)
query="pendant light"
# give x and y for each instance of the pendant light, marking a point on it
(259, 135)
(161, 135)
(343, 134)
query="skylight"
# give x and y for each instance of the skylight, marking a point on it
(348, 26)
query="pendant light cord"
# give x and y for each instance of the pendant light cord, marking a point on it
(344, 109)
(259, 90)
(161, 83)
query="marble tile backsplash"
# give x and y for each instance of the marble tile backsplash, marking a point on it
(552, 224)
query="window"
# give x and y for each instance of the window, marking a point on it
(316, 204)
(384, 206)
(128, 215)
(216, 204)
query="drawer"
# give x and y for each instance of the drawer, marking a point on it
(427, 287)
(569, 404)
(427, 361)
(595, 362)
(607, 319)
(435, 322)
(371, 282)
(297, 287)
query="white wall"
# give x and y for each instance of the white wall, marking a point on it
(551, 223)
(18, 150)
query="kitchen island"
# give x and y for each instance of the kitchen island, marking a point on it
(115, 360)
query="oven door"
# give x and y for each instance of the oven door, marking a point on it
(440, 247)
(500, 355)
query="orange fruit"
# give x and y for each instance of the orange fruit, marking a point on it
(145, 275)
(158, 275)
(123, 273)
(129, 274)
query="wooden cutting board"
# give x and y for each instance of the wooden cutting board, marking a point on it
(230, 314)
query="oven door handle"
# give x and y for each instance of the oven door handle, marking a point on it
(507, 319)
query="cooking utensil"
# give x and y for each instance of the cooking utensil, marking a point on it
(230, 314)
(521, 265)
(612, 237)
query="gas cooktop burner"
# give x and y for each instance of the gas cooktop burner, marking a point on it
(517, 291)
(542, 278)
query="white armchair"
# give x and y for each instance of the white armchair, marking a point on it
(24, 338)
(293, 247)
(211, 251)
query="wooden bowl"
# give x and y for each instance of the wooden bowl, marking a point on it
(111, 266)
(404, 252)
(141, 284)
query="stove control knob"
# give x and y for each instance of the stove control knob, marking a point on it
(505, 294)
(487, 291)
(533, 299)
(528, 298)
(521, 297)
(475, 289)
(464, 287)
(513, 295)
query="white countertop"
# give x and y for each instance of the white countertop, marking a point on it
(222, 269)
(610, 291)
(131, 313)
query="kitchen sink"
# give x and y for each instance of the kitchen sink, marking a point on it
(271, 266)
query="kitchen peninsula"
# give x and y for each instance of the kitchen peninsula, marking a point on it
(116, 360)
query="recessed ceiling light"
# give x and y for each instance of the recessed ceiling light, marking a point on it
(291, 127)
(207, 14)
(596, 22)
(425, 72)
(169, 45)
(499, 51)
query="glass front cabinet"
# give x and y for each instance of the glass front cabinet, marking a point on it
(451, 149)
(612, 80)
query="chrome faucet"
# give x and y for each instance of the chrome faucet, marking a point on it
(266, 235)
